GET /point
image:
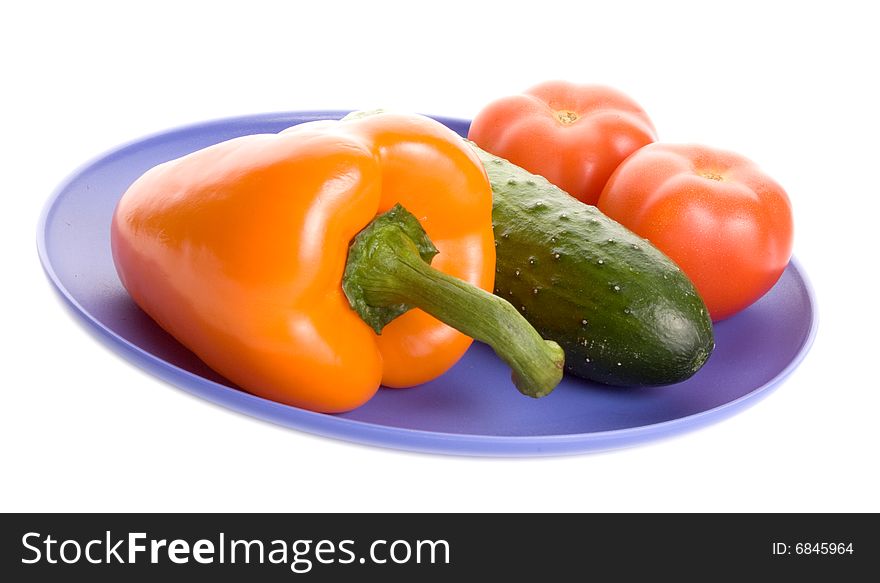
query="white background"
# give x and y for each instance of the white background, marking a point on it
(791, 85)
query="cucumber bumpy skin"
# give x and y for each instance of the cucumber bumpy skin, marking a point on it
(623, 312)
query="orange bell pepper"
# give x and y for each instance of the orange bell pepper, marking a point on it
(241, 252)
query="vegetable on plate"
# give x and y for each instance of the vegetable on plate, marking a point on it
(254, 252)
(573, 135)
(725, 222)
(624, 313)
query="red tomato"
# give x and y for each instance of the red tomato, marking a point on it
(572, 135)
(716, 214)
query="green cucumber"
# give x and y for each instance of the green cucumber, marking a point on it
(622, 311)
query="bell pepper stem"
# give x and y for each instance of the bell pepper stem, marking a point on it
(389, 272)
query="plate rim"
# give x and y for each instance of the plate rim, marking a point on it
(363, 432)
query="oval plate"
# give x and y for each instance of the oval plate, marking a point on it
(473, 409)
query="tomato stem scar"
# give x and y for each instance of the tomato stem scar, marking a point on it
(566, 116)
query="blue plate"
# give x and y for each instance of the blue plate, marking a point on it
(473, 409)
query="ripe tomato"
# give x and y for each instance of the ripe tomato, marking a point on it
(572, 135)
(715, 213)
